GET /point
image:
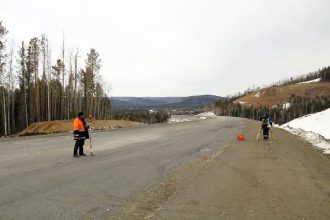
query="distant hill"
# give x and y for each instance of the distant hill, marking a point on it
(277, 95)
(164, 102)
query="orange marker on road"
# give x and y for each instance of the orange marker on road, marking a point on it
(241, 137)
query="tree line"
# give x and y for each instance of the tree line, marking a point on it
(33, 89)
(142, 115)
(299, 105)
(323, 74)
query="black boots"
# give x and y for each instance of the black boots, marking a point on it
(80, 155)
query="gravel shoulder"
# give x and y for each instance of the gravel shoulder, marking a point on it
(284, 178)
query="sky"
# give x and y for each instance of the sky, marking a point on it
(181, 47)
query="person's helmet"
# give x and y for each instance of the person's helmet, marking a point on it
(80, 114)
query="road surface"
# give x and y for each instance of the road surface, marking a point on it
(191, 170)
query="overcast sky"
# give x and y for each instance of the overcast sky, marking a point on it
(182, 47)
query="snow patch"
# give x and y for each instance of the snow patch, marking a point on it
(317, 140)
(240, 102)
(207, 114)
(286, 105)
(311, 81)
(257, 95)
(314, 128)
(186, 118)
(205, 150)
(175, 119)
(317, 123)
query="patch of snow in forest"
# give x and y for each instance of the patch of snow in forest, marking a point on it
(286, 105)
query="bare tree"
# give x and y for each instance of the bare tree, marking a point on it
(44, 46)
(22, 76)
(76, 100)
(34, 59)
(10, 83)
(3, 58)
(63, 82)
(49, 110)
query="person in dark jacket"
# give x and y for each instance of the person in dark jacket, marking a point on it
(80, 131)
(266, 123)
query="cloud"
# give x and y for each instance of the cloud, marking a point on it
(159, 48)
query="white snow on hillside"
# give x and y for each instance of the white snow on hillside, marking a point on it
(314, 128)
(286, 105)
(311, 81)
(257, 95)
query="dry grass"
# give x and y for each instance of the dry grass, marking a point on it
(280, 94)
(66, 125)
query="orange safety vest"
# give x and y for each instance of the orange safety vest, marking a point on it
(78, 124)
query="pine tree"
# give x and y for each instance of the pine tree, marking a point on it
(33, 67)
(43, 87)
(22, 77)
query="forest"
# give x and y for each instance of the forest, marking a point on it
(34, 87)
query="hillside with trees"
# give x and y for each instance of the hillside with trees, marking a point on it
(33, 88)
(284, 100)
(163, 102)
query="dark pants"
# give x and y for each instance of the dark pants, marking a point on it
(79, 145)
(265, 131)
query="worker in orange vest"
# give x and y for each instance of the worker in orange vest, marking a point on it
(80, 131)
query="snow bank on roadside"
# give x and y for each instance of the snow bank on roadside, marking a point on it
(317, 123)
(314, 128)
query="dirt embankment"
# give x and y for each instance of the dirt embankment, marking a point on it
(66, 126)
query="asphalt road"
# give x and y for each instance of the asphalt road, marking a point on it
(39, 178)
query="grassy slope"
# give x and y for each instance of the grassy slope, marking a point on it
(281, 94)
